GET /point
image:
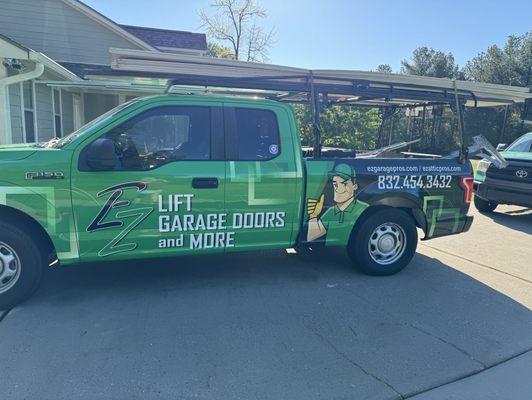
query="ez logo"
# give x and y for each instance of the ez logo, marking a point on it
(114, 201)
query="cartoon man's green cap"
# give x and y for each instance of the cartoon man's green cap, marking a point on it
(343, 170)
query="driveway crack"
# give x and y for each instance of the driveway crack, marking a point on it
(465, 376)
(454, 346)
(354, 363)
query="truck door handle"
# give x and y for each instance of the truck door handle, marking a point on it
(204, 183)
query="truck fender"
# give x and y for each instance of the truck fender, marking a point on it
(408, 202)
(25, 221)
(45, 220)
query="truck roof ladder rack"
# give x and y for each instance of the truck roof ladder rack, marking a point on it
(319, 88)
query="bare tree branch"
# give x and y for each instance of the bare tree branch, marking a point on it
(235, 22)
(258, 43)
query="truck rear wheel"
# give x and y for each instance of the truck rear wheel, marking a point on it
(22, 263)
(484, 205)
(384, 243)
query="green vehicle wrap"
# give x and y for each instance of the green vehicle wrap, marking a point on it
(47, 200)
(275, 203)
(433, 192)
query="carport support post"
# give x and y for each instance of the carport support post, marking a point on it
(503, 127)
(524, 112)
(315, 111)
(463, 134)
(460, 111)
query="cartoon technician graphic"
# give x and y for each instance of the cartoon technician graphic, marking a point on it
(337, 221)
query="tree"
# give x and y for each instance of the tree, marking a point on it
(341, 126)
(236, 23)
(429, 62)
(510, 65)
(350, 127)
(217, 51)
(434, 126)
(384, 68)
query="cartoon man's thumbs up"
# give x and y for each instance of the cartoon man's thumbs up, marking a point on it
(314, 207)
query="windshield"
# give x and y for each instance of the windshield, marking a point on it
(97, 121)
(522, 145)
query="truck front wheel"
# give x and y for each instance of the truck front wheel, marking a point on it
(22, 263)
(383, 243)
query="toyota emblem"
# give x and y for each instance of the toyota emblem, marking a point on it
(521, 173)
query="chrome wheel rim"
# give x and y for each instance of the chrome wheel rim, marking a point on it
(387, 243)
(9, 267)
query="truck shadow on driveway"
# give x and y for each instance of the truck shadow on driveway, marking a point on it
(519, 219)
(263, 325)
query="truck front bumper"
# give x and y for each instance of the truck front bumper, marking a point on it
(504, 192)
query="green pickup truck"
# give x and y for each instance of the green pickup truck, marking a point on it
(168, 175)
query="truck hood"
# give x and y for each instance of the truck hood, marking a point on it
(517, 155)
(13, 152)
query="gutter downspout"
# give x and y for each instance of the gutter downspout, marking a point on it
(5, 119)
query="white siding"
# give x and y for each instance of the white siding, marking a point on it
(45, 114)
(59, 31)
(68, 112)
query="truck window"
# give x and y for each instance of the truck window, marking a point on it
(163, 135)
(521, 145)
(257, 134)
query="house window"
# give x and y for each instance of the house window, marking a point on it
(28, 106)
(58, 115)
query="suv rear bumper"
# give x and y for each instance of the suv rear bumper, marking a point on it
(504, 192)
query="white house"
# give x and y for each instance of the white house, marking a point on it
(52, 51)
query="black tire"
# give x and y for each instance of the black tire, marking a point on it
(484, 205)
(396, 224)
(31, 263)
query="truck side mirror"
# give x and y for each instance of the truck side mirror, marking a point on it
(101, 155)
(501, 146)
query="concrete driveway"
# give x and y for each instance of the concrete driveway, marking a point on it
(275, 325)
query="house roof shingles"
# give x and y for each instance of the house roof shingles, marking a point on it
(168, 38)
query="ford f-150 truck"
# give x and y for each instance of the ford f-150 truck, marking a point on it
(170, 175)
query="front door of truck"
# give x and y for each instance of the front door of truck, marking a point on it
(164, 192)
(264, 176)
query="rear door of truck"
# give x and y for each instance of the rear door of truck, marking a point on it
(264, 184)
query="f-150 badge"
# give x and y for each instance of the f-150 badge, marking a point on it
(45, 175)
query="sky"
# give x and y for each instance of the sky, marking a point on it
(351, 34)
